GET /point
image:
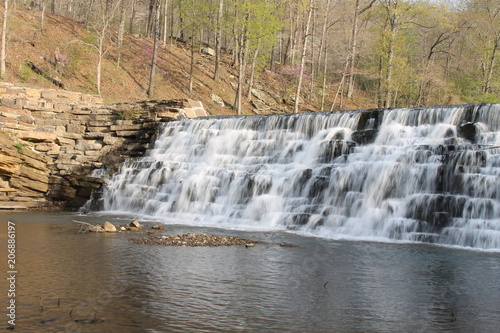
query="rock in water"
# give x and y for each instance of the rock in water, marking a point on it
(158, 227)
(108, 227)
(135, 224)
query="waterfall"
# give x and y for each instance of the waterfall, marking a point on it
(424, 175)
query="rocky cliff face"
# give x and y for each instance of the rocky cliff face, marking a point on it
(50, 141)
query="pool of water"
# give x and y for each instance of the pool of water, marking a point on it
(104, 283)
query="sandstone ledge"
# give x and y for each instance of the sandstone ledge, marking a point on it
(193, 239)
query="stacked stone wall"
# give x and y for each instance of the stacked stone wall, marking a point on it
(71, 134)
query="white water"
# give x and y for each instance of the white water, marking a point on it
(304, 172)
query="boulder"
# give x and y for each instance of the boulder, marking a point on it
(208, 50)
(217, 99)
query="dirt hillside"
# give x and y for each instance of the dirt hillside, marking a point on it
(51, 51)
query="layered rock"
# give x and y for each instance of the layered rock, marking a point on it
(53, 139)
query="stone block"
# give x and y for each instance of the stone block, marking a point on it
(65, 142)
(87, 158)
(9, 115)
(51, 122)
(26, 119)
(78, 110)
(126, 127)
(19, 204)
(33, 93)
(8, 101)
(103, 111)
(38, 136)
(94, 135)
(92, 153)
(84, 145)
(101, 123)
(73, 136)
(127, 133)
(112, 140)
(75, 128)
(19, 127)
(50, 148)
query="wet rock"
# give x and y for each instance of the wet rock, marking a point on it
(467, 131)
(135, 224)
(108, 227)
(365, 137)
(158, 227)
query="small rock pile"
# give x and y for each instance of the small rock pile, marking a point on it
(193, 239)
(133, 226)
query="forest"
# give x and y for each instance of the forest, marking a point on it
(398, 53)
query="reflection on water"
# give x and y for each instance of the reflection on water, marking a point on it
(104, 283)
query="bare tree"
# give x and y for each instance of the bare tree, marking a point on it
(303, 56)
(156, 28)
(3, 52)
(218, 40)
(353, 49)
(106, 12)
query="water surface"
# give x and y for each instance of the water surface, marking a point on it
(317, 286)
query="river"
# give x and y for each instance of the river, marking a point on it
(68, 281)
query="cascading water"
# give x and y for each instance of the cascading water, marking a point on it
(427, 174)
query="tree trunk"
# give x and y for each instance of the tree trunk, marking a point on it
(303, 56)
(352, 51)
(325, 68)
(121, 32)
(380, 85)
(43, 19)
(354, 46)
(155, 53)
(153, 8)
(132, 19)
(242, 55)
(3, 52)
(165, 22)
(491, 66)
(313, 69)
(322, 42)
(252, 72)
(191, 68)
(218, 41)
(99, 62)
(390, 65)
